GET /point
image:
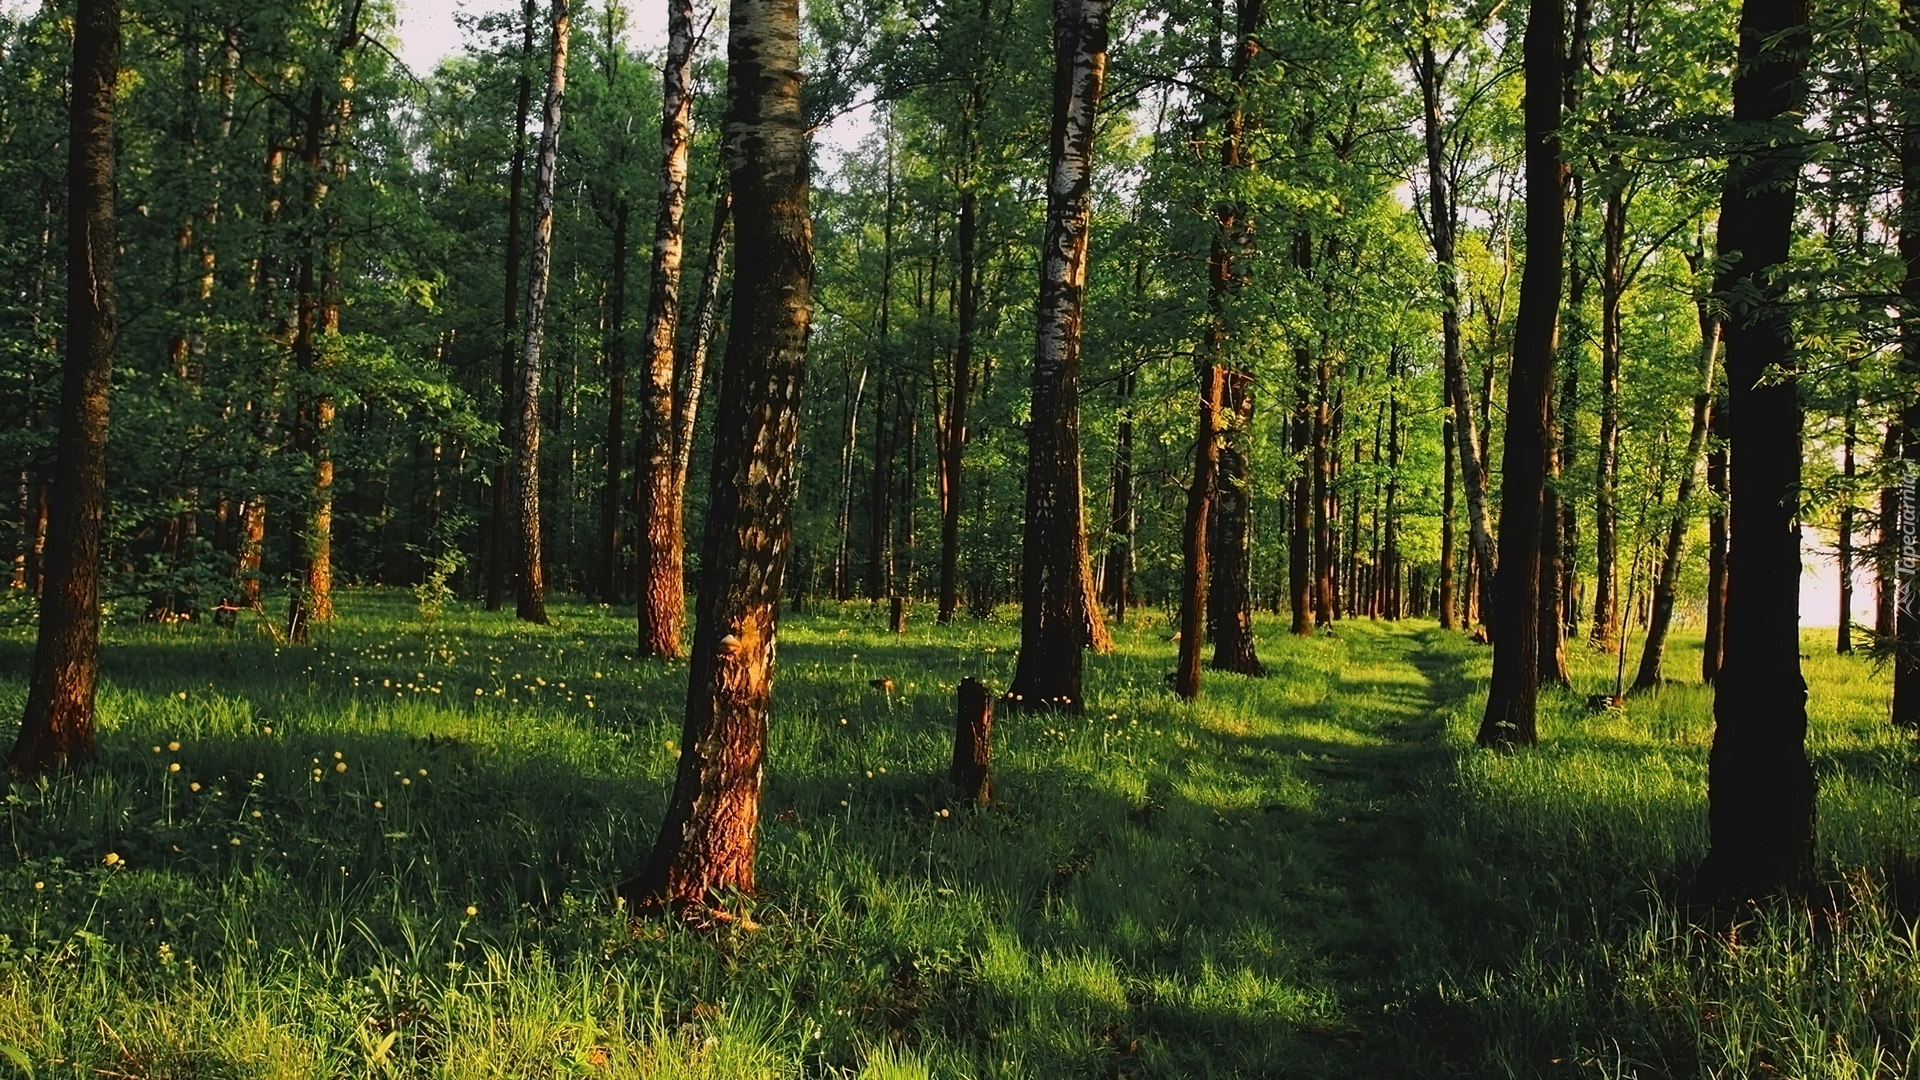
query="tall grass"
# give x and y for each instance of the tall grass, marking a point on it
(398, 857)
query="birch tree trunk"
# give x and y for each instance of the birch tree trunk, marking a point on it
(663, 595)
(687, 406)
(57, 727)
(1059, 616)
(533, 580)
(707, 841)
(616, 350)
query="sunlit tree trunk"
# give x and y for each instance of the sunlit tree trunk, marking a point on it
(1760, 787)
(532, 594)
(1528, 441)
(707, 841)
(57, 726)
(1060, 617)
(663, 595)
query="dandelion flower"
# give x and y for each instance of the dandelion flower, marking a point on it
(256, 814)
(173, 766)
(423, 772)
(337, 755)
(268, 730)
(406, 782)
(339, 766)
(111, 858)
(472, 911)
(183, 695)
(195, 786)
(378, 805)
(173, 747)
(156, 749)
(235, 841)
(38, 885)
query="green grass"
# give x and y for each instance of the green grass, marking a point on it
(1308, 875)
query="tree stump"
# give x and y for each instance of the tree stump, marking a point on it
(897, 619)
(972, 769)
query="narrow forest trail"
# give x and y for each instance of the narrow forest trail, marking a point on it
(1359, 724)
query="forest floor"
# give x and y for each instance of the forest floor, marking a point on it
(390, 854)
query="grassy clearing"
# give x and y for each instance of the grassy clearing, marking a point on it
(397, 857)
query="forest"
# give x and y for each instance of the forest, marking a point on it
(1337, 538)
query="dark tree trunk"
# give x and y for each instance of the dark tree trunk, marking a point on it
(1760, 787)
(1300, 534)
(879, 497)
(1528, 444)
(1444, 221)
(500, 533)
(1117, 578)
(1228, 587)
(1194, 569)
(971, 773)
(1666, 585)
(953, 442)
(532, 595)
(610, 584)
(708, 839)
(693, 377)
(662, 604)
(57, 726)
(1606, 542)
(1059, 616)
(1713, 649)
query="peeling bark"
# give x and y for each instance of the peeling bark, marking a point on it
(706, 846)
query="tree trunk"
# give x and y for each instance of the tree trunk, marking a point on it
(663, 596)
(1528, 445)
(1193, 576)
(1060, 616)
(1760, 787)
(1713, 650)
(1300, 534)
(610, 584)
(1117, 579)
(57, 726)
(533, 579)
(686, 408)
(708, 839)
(1606, 542)
(1666, 586)
(1444, 214)
(499, 533)
(954, 440)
